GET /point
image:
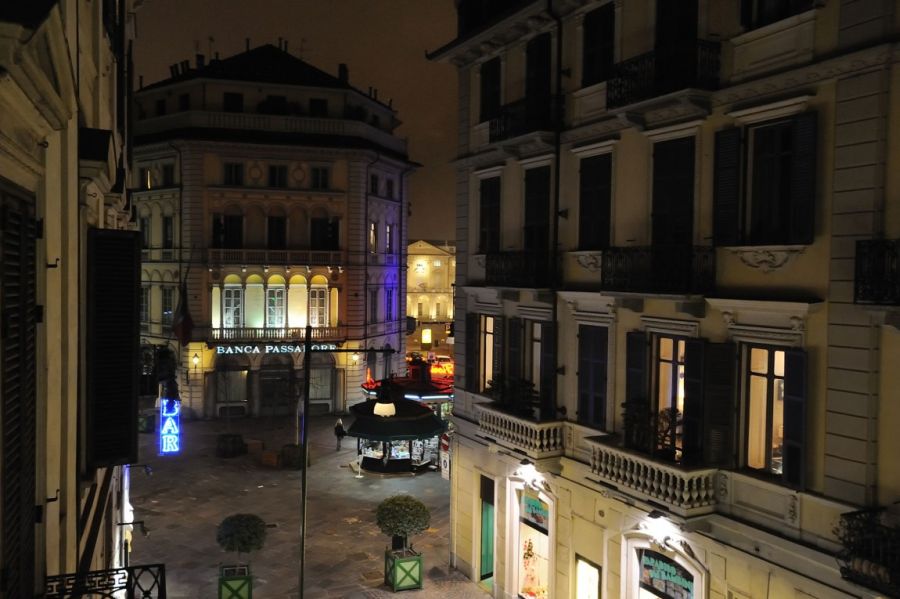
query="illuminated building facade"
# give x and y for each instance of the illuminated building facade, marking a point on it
(68, 394)
(677, 288)
(431, 273)
(277, 193)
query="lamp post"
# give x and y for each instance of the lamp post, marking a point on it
(195, 361)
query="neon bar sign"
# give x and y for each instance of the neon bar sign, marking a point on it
(169, 427)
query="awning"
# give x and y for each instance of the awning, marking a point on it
(410, 419)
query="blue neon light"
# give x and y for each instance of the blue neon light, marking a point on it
(169, 427)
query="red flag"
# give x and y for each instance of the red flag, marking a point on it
(182, 324)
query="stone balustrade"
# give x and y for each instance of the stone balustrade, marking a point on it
(536, 439)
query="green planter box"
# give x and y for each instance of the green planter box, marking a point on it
(403, 569)
(235, 582)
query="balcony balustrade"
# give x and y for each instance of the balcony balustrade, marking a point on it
(877, 278)
(692, 64)
(521, 117)
(130, 582)
(871, 553)
(536, 439)
(659, 269)
(686, 492)
(517, 269)
(269, 257)
(319, 334)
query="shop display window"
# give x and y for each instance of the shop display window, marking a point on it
(662, 577)
(400, 450)
(534, 548)
(587, 579)
(372, 449)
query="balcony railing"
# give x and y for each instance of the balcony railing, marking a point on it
(693, 64)
(659, 269)
(133, 582)
(871, 554)
(877, 272)
(284, 257)
(687, 492)
(319, 334)
(521, 117)
(517, 269)
(536, 439)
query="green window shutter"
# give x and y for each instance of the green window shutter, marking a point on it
(637, 406)
(727, 188)
(692, 436)
(514, 349)
(795, 392)
(471, 353)
(720, 405)
(803, 178)
(113, 346)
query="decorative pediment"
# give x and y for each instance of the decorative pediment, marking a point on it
(763, 321)
(767, 258)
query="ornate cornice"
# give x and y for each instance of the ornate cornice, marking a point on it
(768, 258)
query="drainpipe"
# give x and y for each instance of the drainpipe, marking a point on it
(558, 112)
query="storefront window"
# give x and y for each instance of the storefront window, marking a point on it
(534, 547)
(587, 579)
(662, 577)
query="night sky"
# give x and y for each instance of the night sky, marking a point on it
(383, 43)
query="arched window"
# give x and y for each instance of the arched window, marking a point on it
(232, 303)
(318, 301)
(275, 301)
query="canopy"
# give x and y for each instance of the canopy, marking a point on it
(410, 419)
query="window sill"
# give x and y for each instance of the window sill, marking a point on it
(767, 258)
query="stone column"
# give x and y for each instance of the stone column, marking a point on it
(210, 391)
(254, 395)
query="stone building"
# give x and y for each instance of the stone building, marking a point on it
(431, 273)
(276, 193)
(677, 288)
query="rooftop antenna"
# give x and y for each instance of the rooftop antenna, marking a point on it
(302, 49)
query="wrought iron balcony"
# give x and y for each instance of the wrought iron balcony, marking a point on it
(684, 491)
(536, 439)
(517, 269)
(871, 554)
(659, 269)
(133, 582)
(877, 278)
(217, 256)
(521, 117)
(276, 334)
(693, 64)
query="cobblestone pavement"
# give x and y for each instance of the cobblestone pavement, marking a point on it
(188, 495)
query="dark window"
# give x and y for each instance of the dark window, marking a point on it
(168, 175)
(373, 306)
(320, 177)
(318, 107)
(184, 102)
(233, 102)
(389, 239)
(168, 232)
(388, 305)
(234, 173)
(168, 306)
(161, 107)
(145, 232)
(757, 13)
(537, 78)
(673, 192)
(489, 216)
(277, 175)
(592, 375)
(598, 45)
(537, 209)
(471, 352)
(490, 89)
(373, 184)
(324, 234)
(389, 188)
(144, 181)
(595, 195)
(277, 229)
(145, 304)
(218, 231)
(234, 231)
(273, 105)
(775, 202)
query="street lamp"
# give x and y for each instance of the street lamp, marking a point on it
(195, 360)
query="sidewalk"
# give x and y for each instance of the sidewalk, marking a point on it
(188, 495)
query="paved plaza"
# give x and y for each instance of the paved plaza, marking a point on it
(188, 495)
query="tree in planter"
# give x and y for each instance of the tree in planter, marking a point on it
(401, 516)
(241, 533)
(668, 420)
(515, 395)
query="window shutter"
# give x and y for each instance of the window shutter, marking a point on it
(747, 14)
(595, 193)
(113, 346)
(471, 369)
(727, 188)
(803, 178)
(514, 349)
(17, 401)
(692, 438)
(637, 407)
(548, 369)
(794, 468)
(720, 405)
(592, 365)
(498, 348)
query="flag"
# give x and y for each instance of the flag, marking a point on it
(182, 324)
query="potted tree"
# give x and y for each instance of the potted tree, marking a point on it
(241, 533)
(400, 516)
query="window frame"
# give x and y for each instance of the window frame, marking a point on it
(232, 305)
(168, 301)
(234, 174)
(677, 382)
(600, 50)
(278, 293)
(486, 350)
(771, 376)
(318, 305)
(489, 230)
(320, 178)
(278, 176)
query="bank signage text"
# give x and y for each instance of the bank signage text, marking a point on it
(280, 348)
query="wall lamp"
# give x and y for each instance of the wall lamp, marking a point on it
(195, 360)
(141, 526)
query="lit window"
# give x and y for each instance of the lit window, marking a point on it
(765, 409)
(232, 305)
(437, 263)
(373, 237)
(168, 295)
(670, 395)
(318, 307)
(587, 579)
(487, 350)
(275, 306)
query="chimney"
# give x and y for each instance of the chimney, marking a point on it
(173, 70)
(185, 66)
(201, 61)
(140, 82)
(285, 45)
(279, 43)
(247, 43)
(217, 55)
(375, 93)
(343, 73)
